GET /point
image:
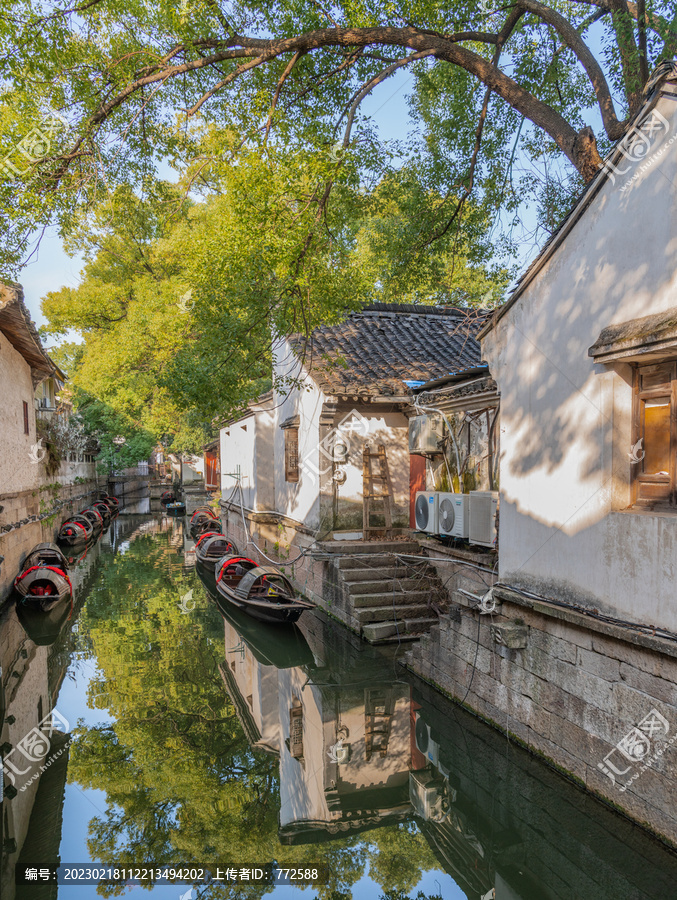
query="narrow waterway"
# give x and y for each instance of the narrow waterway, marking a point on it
(185, 736)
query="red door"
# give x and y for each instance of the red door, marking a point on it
(211, 471)
(416, 483)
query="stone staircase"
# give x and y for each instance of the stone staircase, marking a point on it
(384, 596)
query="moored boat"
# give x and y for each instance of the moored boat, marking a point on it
(95, 518)
(111, 502)
(212, 547)
(76, 530)
(43, 580)
(104, 511)
(199, 510)
(205, 526)
(263, 592)
(176, 509)
(167, 497)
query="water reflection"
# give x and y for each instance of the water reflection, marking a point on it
(209, 736)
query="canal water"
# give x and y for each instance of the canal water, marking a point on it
(179, 736)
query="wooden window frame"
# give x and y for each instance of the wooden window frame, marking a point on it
(653, 491)
(27, 428)
(291, 454)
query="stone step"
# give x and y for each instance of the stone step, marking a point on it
(370, 547)
(387, 598)
(371, 573)
(399, 585)
(419, 626)
(369, 614)
(379, 631)
(353, 561)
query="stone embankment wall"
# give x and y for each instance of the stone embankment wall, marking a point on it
(28, 518)
(594, 698)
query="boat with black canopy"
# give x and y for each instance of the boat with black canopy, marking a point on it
(211, 547)
(95, 518)
(43, 581)
(76, 530)
(263, 592)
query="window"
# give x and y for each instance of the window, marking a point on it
(291, 454)
(26, 428)
(655, 435)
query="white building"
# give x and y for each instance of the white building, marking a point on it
(297, 452)
(585, 356)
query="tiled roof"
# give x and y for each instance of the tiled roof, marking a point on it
(385, 345)
(16, 325)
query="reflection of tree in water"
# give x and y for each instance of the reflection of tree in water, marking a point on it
(182, 784)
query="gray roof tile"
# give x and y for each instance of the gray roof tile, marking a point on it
(379, 348)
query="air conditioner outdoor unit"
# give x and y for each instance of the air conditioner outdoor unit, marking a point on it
(425, 511)
(483, 507)
(453, 514)
(427, 796)
(425, 433)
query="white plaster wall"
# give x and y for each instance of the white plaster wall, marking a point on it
(392, 430)
(264, 462)
(565, 421)
(238, 441)
(299, 500)
(248, 443)
(17, 473)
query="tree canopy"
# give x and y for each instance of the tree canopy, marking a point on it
(135, 82)
(287, 210)
(181, 300)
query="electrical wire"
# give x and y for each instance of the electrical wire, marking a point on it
(651, 630)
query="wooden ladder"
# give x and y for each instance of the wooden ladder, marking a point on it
(376, 488)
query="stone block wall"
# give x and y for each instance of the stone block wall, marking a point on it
(538, 832)
(578, 688)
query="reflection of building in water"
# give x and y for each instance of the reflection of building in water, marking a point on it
(342, 735)
(344, 760)
(507, 827)
(359, 748)
(34, 655)
(253, 688)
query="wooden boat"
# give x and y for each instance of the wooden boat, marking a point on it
(111, 502)
(261, 591)
(76, 530)
(95, 518)
(43, 580)
(167, 497)
(176, 509)
(212, 547)
(205, 526)
(206, 510)
(104, 511)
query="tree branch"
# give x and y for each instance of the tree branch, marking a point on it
(295, 58)
(577, 45)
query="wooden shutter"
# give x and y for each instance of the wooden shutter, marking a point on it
(26, 427)
(291, 454)
(655, 435)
